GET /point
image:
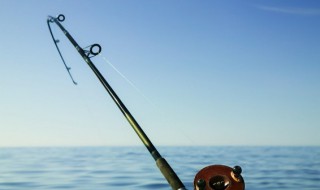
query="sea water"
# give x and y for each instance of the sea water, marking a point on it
(132, 168)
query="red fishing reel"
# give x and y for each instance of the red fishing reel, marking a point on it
(219, 177)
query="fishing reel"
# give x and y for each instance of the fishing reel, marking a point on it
(219, 177)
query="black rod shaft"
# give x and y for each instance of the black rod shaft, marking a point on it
(162, 164)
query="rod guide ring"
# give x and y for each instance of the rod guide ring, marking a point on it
(61, 17)
(95, 49)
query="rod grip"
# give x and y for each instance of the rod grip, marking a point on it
(169, 174)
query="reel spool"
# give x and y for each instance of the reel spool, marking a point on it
(219, 177)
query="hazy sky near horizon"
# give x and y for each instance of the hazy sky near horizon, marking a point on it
(207, 72)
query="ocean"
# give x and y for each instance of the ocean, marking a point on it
(132, 168)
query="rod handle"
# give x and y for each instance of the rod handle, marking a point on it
(169, 174)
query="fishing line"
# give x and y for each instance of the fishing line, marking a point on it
(127, 80)
(185, 136)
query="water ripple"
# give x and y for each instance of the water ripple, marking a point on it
(87, 168)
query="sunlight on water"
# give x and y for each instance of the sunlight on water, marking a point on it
(87, 168)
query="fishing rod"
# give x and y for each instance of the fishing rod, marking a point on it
(214, 177)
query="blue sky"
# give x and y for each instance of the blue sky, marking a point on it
(207, 73)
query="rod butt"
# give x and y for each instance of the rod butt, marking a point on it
(169, 174)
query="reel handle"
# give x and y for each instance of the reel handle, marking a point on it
(219, 177)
